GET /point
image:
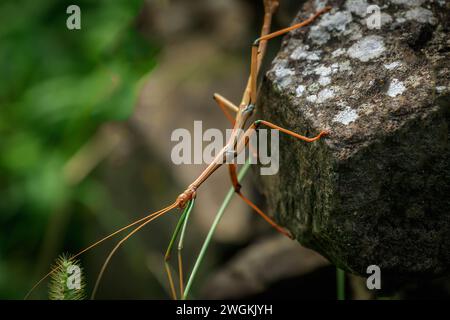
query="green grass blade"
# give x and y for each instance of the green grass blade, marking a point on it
(216, 221)
(340, 284)
(177, 229)
(186, 218)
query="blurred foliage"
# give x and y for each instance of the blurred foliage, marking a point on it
(57, 87)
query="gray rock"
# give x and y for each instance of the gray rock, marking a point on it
(376, 191)
(261, 265)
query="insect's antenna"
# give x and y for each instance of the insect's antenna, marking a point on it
(105, 264)
(94, 245)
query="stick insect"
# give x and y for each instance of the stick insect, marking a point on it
(238, 116)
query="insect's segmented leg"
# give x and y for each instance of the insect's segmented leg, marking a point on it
(257, 123)
(270, 6)
(295, 26)
(258, 50)
(242, 143)
(237, 189)
(226, 106)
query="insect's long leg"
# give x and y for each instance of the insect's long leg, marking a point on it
(241, 144)
(257, 123)
(237, 189)
(105, 264)
(96, 244)
(246, 136)
(257, 53)
(270, 6)
(295, 26)
(232, 169)
(226, 106)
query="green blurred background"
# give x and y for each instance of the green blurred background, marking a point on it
(58, 86)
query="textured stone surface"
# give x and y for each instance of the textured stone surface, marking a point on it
(376, 191)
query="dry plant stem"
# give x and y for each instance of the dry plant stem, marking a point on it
(180, 273)
(168, 255)
(180, 227)
(170, 246)
(173, 292)
(152, 262)
(180, 249)
(81, 164)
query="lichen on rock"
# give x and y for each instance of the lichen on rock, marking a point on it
(376, 190)
(367, 48)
